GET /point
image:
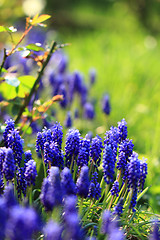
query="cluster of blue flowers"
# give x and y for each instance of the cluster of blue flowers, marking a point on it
(13, 166)
(80, 173)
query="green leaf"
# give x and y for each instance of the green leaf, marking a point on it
(142, 193)
(27, 129)
(4, 70)
(3, 29)
(12, 80)
(26, 83)
(40, 19)
(34, 47)
(10, 92)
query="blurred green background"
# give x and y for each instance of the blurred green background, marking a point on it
(121, 40)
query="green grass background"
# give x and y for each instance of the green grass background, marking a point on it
(127, 59)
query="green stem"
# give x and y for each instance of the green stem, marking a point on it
(123, 188)
(110, 204)
(3, 61)
(90, 170)
(81, 207)
(30, 196)
(56, 213)
(72, 163)
(44, 167)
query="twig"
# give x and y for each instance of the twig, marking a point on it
(4, 59)
(27, 100)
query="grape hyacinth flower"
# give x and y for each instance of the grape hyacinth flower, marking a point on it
(72, 146)
(2, 157)
(52, 231)
(21, 182)
(155, 235)
(92, 76)
(28, 156)
(39, 142)
(133, 171)
(63, 64)
(57, 134)
(125, 151)
(94, 188)
(1, 183)
(30, 172)
(22, 223)
(48, 153)
(96, 150)
(133, 177)
(68, 120)
(77, 82)
(72, 227)
(54, 178)
(9, 165)
(46, 195)
(83, 182)
(122, 130)
(3, 218)
(84, 149)
(89, 112)
(115, 188)
(108, 164)
(106, 222)
(70, 205)
(9, 127)
(68, 185)
(54, 154)
(112, 138)
(143, 175)
(84, 95)
(63, 91)
(106, 108)
(9, 197)
(118, 209)
(117, 234)
(15, 142)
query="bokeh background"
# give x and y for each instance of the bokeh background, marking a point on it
(121, 40)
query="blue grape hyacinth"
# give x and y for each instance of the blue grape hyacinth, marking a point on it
(94, 188)
(68, 120)
(115, 188)
(108, 164)
(106, 107)
(72, 146)
(83, 182)
(68, 185)
(89, 112)
(30, 172)
(9, 166)
(122, 130)
(96, 150)
(84, 149)
(9, 127)
(52, 231)
(57, 134)
(22, 223)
